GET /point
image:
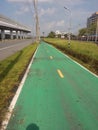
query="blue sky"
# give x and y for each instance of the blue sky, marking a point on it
(52, 15)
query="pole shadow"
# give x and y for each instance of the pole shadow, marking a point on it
(10, 66)
(32, 127)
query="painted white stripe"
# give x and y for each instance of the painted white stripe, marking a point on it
(60, 73)
(12, 105)
(74, 61)
(8, 47)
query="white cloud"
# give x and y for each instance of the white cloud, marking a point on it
(52, 13)
(60, 23)
(16, 0)
(53, 24)
(56, 24)
(49, 11)
(69, 3)
(29, 0)
(63, 1)
(45, 0)
(22, 10)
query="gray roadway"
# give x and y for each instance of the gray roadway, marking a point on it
(7, 48)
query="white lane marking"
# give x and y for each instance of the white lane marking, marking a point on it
(12, 105)
(60, 73)
(51, 57)
(8, 47)
(75, 61)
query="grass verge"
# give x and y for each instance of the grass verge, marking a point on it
(12, 70)
(86, 53)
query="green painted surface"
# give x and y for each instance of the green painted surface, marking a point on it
(49, 102)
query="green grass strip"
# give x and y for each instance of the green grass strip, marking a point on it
(11, 73)
(83, 52)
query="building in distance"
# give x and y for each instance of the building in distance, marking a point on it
(92, 19)
(59, 34)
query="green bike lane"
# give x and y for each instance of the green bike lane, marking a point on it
(58, 94)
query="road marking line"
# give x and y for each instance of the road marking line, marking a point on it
(60, 73)
(51, 57)
(8, 47)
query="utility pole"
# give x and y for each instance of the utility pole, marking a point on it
(35, 2)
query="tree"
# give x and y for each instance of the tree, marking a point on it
(88, 31)
(51, 34)
(82, 31)
(92, 29)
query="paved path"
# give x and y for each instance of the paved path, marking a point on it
(58, 94)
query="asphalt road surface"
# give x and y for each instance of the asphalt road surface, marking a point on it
(7, 48)
(58, 94)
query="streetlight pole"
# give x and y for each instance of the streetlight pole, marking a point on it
(69, 37)
(96, 31)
